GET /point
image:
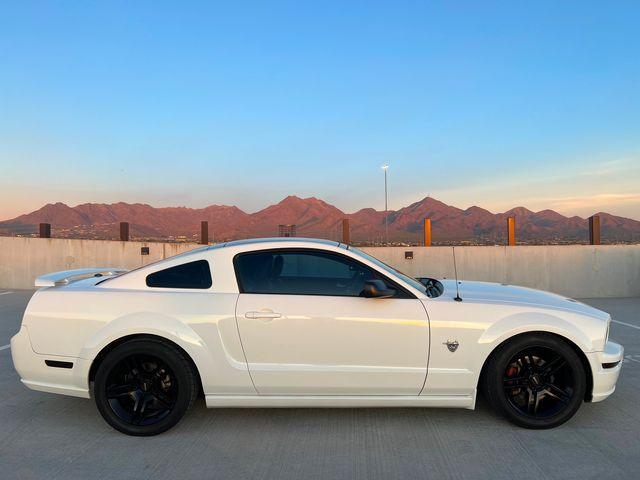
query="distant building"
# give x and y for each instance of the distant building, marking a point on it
(287, 230)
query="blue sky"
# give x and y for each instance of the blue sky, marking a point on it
(494, 104)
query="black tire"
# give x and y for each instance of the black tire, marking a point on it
(536, 381)
(144, 387)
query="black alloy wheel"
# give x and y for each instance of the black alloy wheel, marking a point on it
(141, 390)
(144, 387)
(539, 382)
(536, 381)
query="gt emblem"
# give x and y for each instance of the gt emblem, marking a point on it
(452, 346)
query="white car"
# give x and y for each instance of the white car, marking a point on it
(307, 323)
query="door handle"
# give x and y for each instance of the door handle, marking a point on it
(262, 315)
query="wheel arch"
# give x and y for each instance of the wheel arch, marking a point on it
(565, 339)
(102, 354)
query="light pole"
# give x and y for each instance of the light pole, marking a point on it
(385, 167)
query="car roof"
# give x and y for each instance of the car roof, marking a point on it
(281, 240)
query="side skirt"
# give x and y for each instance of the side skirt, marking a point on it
(320, 401)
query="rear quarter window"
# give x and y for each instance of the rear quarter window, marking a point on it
(188, 275)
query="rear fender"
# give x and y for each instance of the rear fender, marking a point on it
(213, 372)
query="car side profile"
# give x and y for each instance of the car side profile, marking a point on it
(307, 323)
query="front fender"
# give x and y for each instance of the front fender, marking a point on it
(479, 328)
(524, 322)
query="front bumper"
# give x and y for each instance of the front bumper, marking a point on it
(37, 375)
(605, 367)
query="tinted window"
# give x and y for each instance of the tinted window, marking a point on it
(301, 273)
(410, 280)
(188, 275)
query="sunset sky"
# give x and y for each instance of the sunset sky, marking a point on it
(496, 104)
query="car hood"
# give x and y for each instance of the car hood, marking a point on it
(502, 293)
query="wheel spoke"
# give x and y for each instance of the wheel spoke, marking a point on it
(131, 366)
(554, 366)
(558, 393)
(529, 359)
(537, 398)
(514, 382)
(115, 391)
(139, 409)
(163, 399)
(531, 401)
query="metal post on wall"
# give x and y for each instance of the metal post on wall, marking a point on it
(594, 230)
(124, 231)
(204, 233)
(45, 230)
(345, 231)
(511, 231)
(385, 167)
(427, 232)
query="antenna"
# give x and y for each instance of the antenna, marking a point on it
(455, 271)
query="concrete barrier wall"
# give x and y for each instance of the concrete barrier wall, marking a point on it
(24, 259)
(580, 271)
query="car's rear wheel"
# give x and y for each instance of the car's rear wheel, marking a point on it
(144, 387)
(536, 381)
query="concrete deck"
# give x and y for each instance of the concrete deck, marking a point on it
(50, 436)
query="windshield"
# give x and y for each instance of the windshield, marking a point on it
(406, 278)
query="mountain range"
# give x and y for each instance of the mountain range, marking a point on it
(316, 218)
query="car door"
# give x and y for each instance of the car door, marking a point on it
(306, 329)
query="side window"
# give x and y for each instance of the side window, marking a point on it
(307, 272)
(188, 275)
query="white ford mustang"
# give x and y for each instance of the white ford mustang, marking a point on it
(306, 323)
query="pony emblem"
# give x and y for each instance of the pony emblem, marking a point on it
(452, 345)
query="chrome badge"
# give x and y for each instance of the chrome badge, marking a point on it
(452, 346)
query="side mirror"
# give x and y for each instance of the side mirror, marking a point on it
(377, 289)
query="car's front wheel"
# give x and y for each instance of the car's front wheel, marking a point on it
(536, 381)
(144, 387)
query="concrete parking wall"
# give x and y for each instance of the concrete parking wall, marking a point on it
(574, 270)
(24, 259)
(581, 271)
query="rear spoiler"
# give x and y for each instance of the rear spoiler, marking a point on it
(65, 276)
